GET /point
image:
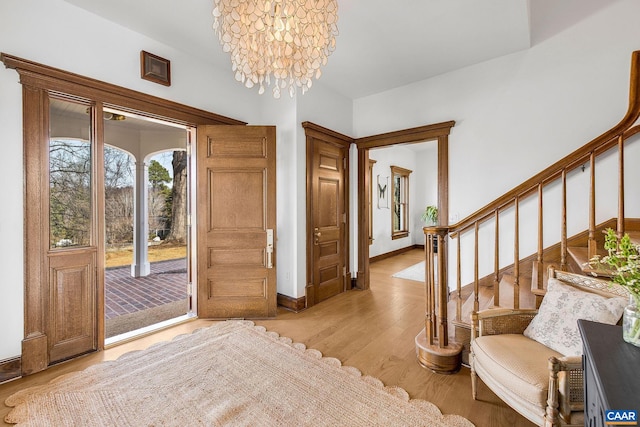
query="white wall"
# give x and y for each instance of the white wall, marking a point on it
(55, 33)
(517, 114)
(11, 217)
(282, 114)
(426, 182)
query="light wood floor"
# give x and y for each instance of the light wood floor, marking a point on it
(371, 330)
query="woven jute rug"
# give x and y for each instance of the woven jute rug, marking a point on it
(232, 373)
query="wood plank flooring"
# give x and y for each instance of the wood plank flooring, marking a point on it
(371, 330)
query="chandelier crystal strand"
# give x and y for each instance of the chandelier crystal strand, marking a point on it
(284, 40)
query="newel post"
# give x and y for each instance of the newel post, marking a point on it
(433, 349)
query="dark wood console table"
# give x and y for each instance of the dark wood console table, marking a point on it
(611, 372)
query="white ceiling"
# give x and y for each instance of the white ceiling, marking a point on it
(382, 44)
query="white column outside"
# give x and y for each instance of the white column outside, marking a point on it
(141, 266)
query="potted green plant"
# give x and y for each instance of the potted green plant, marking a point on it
(623, 263)
(430, 215)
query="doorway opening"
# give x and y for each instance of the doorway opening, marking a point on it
(146, 235)
(404, 180)
(436, 132)
(70, 321)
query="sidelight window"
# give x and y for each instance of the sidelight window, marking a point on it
(70, 177)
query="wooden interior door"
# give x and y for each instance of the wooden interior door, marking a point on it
(236, 221)
(328, 220)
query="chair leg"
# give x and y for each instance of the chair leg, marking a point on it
(474, 384)
(474, 377)
(474, 335)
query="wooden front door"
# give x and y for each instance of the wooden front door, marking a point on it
(328, 221)
(236, 221)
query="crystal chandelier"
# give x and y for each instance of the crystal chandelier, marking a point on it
(284, 40)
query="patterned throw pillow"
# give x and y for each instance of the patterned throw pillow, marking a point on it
(556, 324)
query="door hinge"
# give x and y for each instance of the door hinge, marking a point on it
(344, 218)
(188, 220)
(189, 289)
(344, 162)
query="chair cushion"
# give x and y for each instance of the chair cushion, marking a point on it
(556, 324)
(517, 362)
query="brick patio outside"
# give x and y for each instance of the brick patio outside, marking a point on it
(125, 294)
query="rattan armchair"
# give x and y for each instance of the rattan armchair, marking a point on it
(563, 405)
(541, 384)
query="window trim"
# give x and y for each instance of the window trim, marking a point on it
(404, 177)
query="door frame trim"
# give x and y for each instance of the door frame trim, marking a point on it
(435, 132)
(315, 132)
(438, 132)
(38, 81)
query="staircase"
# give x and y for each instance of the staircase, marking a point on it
(521, 282)
(528, 294)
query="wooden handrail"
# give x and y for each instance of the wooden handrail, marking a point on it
(572, 161)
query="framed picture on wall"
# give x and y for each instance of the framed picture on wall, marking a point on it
(382, 190)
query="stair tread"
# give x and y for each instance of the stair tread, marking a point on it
(527, 298)
(580, 255)
(635, 236)
(485, 300)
